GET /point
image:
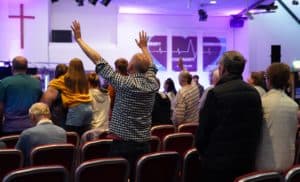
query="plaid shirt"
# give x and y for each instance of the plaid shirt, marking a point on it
(131, 117)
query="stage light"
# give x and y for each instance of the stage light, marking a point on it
(295, 2)
(105, 2)
(53, 1)
(93, 2)
(202, 15)
(80, 2)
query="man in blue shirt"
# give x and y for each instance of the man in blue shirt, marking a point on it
(17, 93)
(45, 132)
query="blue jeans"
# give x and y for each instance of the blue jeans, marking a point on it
(79, 116)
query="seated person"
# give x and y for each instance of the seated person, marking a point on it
(2, 145)
(45, 132)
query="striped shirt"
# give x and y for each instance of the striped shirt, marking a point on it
(131, 117)
(186, 105)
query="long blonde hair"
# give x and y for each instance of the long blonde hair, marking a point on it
(75, 78)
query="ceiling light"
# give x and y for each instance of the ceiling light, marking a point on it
(105, 2)
(213, 2)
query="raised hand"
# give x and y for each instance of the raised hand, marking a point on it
(180, 64)
(143, 40)
(76, 30)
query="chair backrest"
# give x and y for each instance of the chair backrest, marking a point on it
(297, 148)
(261, 176)
(188, 128)
(41, 173)
(56, 154)
(158, 167)
(95, 149)
(162, 130)
(179, 142)
(109, 169)
(10, 159)
(93, 134)
(154, 144)
(73, 138)
(293, 174)
(10, 141)
(191, 166)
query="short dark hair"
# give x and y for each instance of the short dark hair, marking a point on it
(121, 65)
(195, 76)
(60, 70)
(233, 62)
(259, 79)
(278, 75)
(19, 63)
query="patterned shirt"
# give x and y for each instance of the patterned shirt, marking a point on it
(131, 117)
(186, 105)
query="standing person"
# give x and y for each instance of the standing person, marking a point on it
(100, 103)
(75, 96)
(58, 111)
(17, 94)
(230, 125)
(195, 80)
(257, 80)
(277, 148)
(44, 131)
(186, 107)
(170, 91)
(161, 113)
(131, 118)
(121, 65)
(214, 77)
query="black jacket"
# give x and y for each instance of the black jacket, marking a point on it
(230, 126)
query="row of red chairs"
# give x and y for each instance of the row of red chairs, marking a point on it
(292, 175)
(159, 167)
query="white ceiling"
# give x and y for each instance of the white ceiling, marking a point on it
(223, 7)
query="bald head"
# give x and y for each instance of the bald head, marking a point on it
(138, 64)
(19, 64)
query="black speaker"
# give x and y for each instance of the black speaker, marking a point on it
(61, 36)
(275, 53)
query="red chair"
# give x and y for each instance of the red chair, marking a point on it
(293, 174)
(109, 169)
(158, 167)
(73, 138)
(261, 176)
(56, 154)
(11, 159)
(95, 149)
(297, 148)
(10, 141)
(154, 144)
(93, 134)
(191, 166)
(162, 130)
(38, 174)
(188, 128)
(179, 142)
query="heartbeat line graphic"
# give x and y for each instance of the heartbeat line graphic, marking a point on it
(190, 49)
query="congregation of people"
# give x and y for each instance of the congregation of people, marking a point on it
(242, 126)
